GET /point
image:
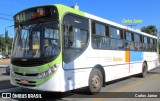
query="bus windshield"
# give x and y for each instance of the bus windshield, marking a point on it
(36, 40)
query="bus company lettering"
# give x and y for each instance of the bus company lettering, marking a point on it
(136, 21)
(117, 59)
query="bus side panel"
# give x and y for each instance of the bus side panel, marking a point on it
(77, 72)
(152, 59)
(116, 72)
(136, 61)
(114, 64)
(65, 80)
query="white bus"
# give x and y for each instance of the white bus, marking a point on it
(58, 48)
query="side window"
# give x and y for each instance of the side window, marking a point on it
(138, 42)
(148, 43)
(145, 40)
(129, 38)
(132, 36)
(137, 38)
(155, 45)
(145, 44)
(116, 38)
(151, 44)
(116, 33)
(141, 39)
(100, 29)
(100, 36)
(75, 36)
(78, 38)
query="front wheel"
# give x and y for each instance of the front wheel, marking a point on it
(95, 81)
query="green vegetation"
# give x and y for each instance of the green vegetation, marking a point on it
(5, 44)
(151, 29)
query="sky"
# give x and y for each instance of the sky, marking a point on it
(147, 12)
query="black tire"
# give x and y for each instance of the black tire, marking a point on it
(95, 81)
(144, 70)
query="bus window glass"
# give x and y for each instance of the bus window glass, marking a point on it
(154, 45)
(49, 33)
(107, 31)
(132, 37)
(104, 44)
(100, 40)
(74, 44)
(100, 29)
(117, 44)
(128, 41)
(146, 45)
(151, 41)
(121, 34)
(31, 43)
(145, 39)
(128, 36)
(151, 45)
(36, 44)
(148, 40)
(141, 39)
(136, 38)
(117, 38)
(51, 42)
(116, 33)
(78, 38)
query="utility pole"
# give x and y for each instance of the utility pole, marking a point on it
(6, 41)
(1, 41)
(6, 38)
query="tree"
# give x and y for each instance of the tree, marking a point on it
(2, 43)
(5, 42)
(151, 29)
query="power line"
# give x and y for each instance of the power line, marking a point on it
(5, 14)
(6, 19)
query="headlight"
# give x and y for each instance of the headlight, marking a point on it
(49, 72)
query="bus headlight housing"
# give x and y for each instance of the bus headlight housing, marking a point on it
(48, 72)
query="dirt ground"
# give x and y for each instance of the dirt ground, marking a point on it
(5, 60)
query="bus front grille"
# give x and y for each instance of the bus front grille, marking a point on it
(28, 63)
(27, 85)
(26, 74)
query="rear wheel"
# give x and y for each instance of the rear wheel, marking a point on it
(95, 81)
(144, 70)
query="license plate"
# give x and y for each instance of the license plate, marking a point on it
(24, 81)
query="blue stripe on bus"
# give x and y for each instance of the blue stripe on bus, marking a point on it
(136, 56)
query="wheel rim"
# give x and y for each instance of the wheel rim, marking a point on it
(96, 82)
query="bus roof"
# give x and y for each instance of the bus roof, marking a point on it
(107, 21)
(72, 10)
